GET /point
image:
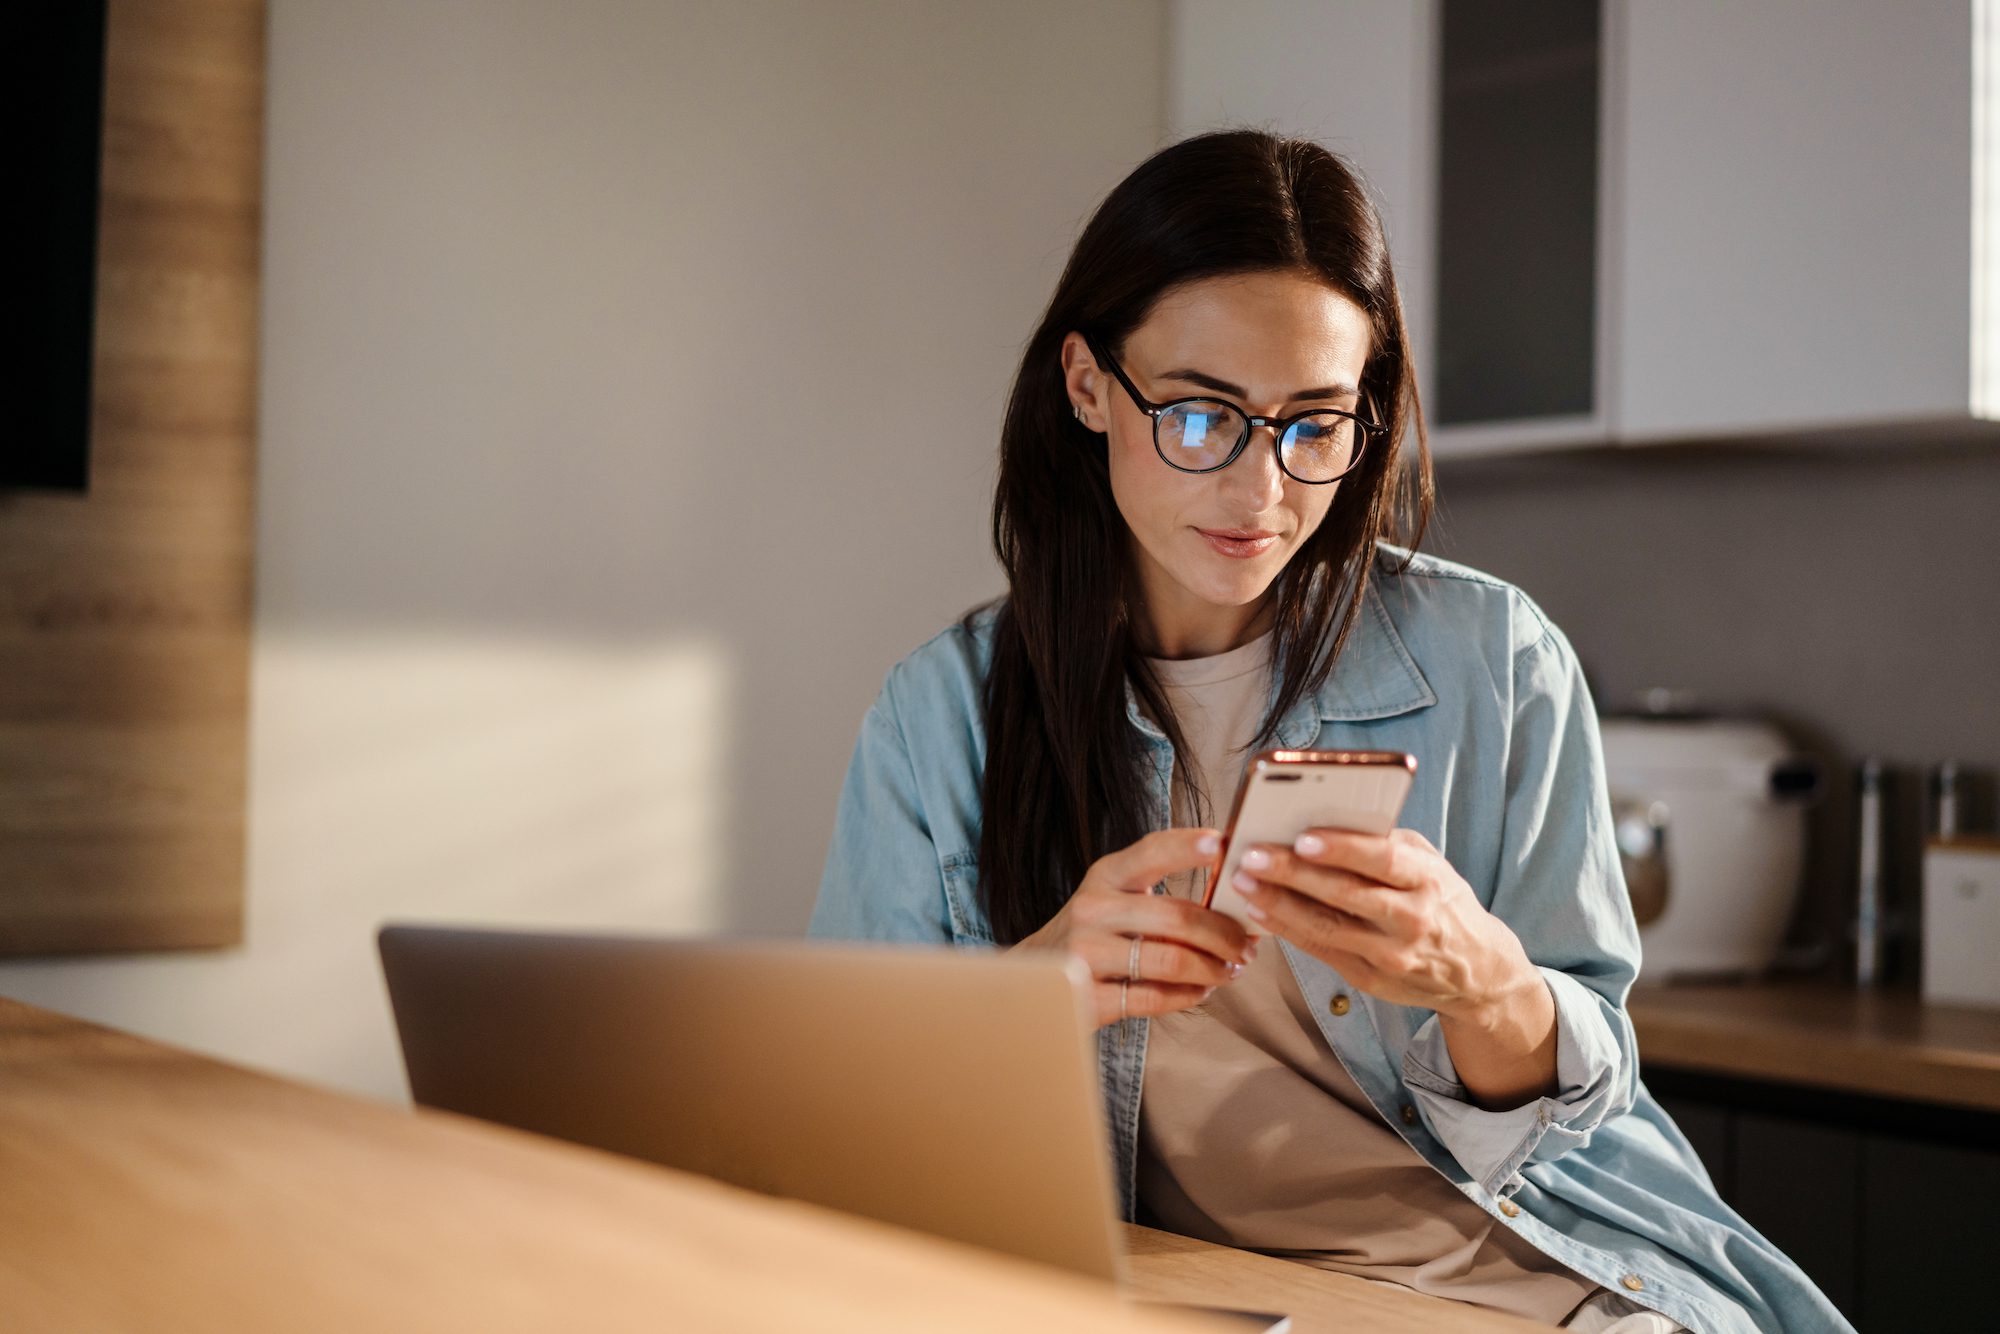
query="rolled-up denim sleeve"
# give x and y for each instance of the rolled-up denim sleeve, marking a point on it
(1561, 889)
(882, 879)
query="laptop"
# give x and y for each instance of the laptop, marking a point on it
(951, 1091)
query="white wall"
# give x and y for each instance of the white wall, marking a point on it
(631, 382)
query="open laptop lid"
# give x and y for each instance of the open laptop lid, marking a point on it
(947, 1090)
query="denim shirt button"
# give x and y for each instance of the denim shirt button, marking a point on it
(1338, 1004)
(1509, 1208)
(1409, 1115)
(1634, 1282)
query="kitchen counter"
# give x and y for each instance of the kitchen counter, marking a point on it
(1855, 1129)
(146, 1187)
(1885, 1043)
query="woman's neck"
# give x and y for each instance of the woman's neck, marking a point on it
(1206, 630)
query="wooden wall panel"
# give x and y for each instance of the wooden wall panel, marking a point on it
(125, 612)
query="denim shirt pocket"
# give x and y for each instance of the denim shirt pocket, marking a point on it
(961, 891)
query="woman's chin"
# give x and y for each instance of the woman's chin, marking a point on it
(1232, 588)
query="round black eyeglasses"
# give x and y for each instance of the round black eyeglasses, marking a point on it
(1317, 446)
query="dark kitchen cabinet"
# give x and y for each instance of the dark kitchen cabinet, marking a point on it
(1888, 1205)
(1517, 211)
(1800, 1184)
(1929, 1234)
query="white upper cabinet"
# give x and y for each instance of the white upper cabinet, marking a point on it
(1637, 222)
(1796, 218)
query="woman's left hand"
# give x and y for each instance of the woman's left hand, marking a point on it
(1390, 913)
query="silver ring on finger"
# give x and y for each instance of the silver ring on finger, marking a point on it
(1132, 971)
(1123, 987)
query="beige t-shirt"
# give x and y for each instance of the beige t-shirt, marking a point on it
(1252, 1134)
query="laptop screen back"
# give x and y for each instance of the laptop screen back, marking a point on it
(951, 1091)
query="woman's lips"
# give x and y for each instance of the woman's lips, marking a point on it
(1240, 548)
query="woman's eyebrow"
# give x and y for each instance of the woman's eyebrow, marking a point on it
(1224, 387)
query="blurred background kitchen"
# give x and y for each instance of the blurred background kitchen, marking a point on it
(526, 433)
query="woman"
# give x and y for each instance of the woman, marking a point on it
(1430, 1078)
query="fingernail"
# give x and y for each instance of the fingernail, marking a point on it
(1246, 882)
(1236, 970)
(1256, 859)
(1208, 843)
(1309, 844)
(1257, 913)
(1250, 950)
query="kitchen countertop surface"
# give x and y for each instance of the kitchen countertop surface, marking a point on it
(1885, 1043)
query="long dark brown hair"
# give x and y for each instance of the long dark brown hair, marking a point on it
(1064, 782)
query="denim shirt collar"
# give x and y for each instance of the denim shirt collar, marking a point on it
(1375, 677)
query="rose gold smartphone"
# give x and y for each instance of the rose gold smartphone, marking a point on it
(1286, 792)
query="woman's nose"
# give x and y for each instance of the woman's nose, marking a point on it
(1256, 474)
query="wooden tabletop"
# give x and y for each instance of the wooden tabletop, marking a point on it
(1882, 1042)
(145, 1187)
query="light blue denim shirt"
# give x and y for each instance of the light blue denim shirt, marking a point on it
(1463, 671)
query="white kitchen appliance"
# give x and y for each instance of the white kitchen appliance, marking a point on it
(1710, 820)
(1962, 921)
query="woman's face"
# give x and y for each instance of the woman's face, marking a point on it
(1271, 343)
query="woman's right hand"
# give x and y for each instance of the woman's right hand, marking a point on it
(1185, 951)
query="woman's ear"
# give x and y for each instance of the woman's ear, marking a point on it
(1084, 382)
